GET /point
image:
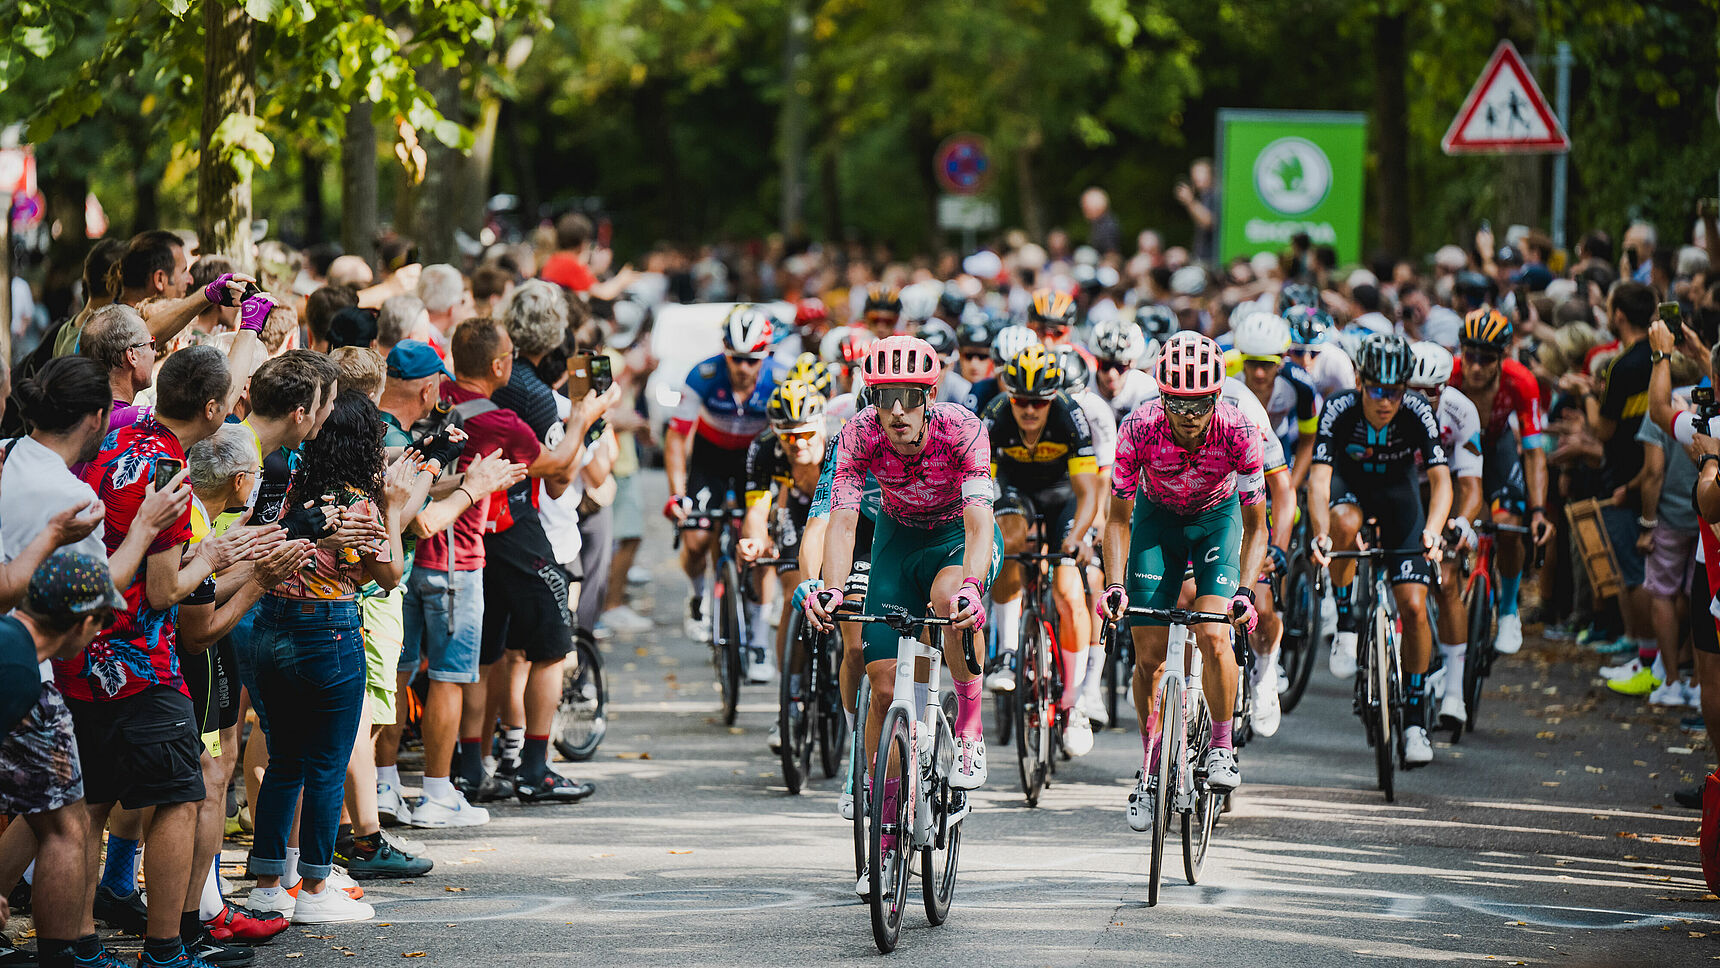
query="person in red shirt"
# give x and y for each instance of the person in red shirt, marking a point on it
(566, 267)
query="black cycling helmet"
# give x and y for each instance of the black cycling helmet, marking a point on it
(1297, 294)
(1385, 359)
(940, 335)
(952, 300)
(973, 335)
(1475, 288)
(1309, 326)
(883, 299)
(1157, 322)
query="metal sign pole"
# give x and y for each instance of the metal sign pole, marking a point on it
(1561, 161)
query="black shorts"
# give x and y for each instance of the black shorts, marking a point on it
(713, 474)
(140, 751)
(1056, 511)
(1395, 505)
(1703, 630)
(526, 603)
(1502, 476)
(212, 679)
(787, 524)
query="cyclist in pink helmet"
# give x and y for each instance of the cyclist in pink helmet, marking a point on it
(932, 462)
(1198, 462)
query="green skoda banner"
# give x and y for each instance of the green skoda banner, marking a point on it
(1284, 172)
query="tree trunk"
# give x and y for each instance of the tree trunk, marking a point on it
(525, 177)
(830, 193)
(311, 197)
(358, 183)
(792, 220)
(436, 206)
(229, 87)
(1032, 206)
(1391, 125)
(922, 147)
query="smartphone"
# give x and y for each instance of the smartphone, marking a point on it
(578, 375)
(1632, 259)
(602, 373)
(1671, 316)
(166, 469)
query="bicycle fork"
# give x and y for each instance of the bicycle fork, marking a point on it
(931, 742)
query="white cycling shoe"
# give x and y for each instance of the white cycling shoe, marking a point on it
(693, 622)
(1451, 708)
(1267, 712)
(1140, 812)
(1279, 677)
(773, 739)
(1002, 678)
(1343, 659)
(761, 665)
(1221, 772)
(1417, 750)
(1093, 704)
(1509, 641)
(970, 764)
(1078, 733)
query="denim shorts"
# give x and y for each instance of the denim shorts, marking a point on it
(430, 597)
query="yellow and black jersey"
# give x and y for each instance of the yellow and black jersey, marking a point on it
(1064, 448)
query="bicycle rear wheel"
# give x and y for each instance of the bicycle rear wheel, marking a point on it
(940, 858)
(1478, 664)
(726, 644)
(1301, 630)
(889, 841)
(794, 712)
(1379, 676)
(1032, 717)
(1197, 823)
(826, 686)
(1173, 734)
(857, 766)
(581, 718)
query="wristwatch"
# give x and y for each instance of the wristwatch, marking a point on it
(1655, 356)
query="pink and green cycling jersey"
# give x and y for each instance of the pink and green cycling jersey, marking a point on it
(1228, 461)
(924, 490)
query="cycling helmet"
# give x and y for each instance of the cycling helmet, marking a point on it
(883, 299)
(747, 331)
(1487, 327)
(793, 404)
(920, 301)
(810, 369)
(973, 334)
(1118, 341)
(952, 300)
(1432, 367)
(1190, 366)
(1297, 294)
(1308, 326)
(940, 335)
(1156, 322)
(1010, 341)
(901, 359)
(1077, 375)
(1034, 372)
(1262, 335)
(1051, 306)
(1384, 358)
(810, 310)
(845, 344)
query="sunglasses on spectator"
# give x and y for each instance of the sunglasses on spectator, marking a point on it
(976, 355)
(1377, 392)
(1481, 357)
(745, 360)
(1030, 403)
(910, 397)
(1190, 406)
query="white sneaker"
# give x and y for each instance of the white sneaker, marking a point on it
(1509, 641)
(1140, 812)
(773, 739)
(274, 900)
(1417, 751)
(391, 806)
(1280, 678)
(693, 621)
(1093, 705)
(1671, 693)
(1267, 712)
(341, 880)
(1343, 660)
(1692, 694)
(970, 764)
(638, 575)
(623, 620)
(1077, 733)
(1002, 678)
(453, 813)
(1620, 672)
(1221, 772)
(330, 906)
(1452, 708)
(761, 666)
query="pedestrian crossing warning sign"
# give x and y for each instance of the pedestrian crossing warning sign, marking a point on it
(1505, 112)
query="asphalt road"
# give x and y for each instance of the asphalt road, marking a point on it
(1550, 837)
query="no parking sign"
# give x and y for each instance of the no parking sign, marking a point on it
(963, 164)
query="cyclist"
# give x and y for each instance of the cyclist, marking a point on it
(1284, 389)
(1365, 465)
(941, 337)
(1157, 323)
(723, 407)
(785, 459)
(1078, 384)
(811, 319)
(1043, 458)
(1010, 341)
(1502, 388)
(882, 310)
(1312, 348)
(1460, 436)
(973, 342)
(1197, 463)
(1051, 316)
(1119, 346)
(935, 527)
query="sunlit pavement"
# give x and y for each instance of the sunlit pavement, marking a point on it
(1550, 837)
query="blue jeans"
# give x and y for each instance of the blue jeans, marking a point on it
(307, 660)
(453, 653)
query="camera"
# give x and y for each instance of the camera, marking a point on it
(1706, 408)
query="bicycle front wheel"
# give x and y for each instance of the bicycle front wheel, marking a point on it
(889, 841)
(857, 779)
(1479, 662)
(726, 644)
(826, 685)
(1380, 676)
(793, 717)
(1301, 630)
(581, 718)
(1032, 714)
(1173, 737)
(939, 859)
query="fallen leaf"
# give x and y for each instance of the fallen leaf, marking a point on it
(414, 954)
(1545, 734)
(737, 731)
(1679, 750)
(680, 851)
(641, 651)
(1594, 769)
(452, 889)
(1639, 762)
(603, 855)
(386, 924)
(1693, 934)
(633, 756)
(1549, 783)
(320, 937)
(483, 850)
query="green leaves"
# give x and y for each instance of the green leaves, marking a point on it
(239, 141)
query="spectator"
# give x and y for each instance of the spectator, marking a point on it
(1663, 670)
(153, 275)
(1637, 262)
(117, 338)
(567, 266)
(1199, 195)
(215, 318)
(402, 317)
(320, 309)
(443, 292)
(98, 268)
(491, 285)
(349, 272)
(361, 369)
(352, 326)
(1536, 249)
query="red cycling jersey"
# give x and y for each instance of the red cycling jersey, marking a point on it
(1520, 393)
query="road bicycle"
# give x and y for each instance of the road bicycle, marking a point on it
(581, 717)
(1185, 731)
(1038, 675)
(1480, 577)
(1302, 592)
(809, 709)
(1379, 691)
(916, 748)
(727, 619)
(1118, 671)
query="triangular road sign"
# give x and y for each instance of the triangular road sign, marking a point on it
(1505, 112)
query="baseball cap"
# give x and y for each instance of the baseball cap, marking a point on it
(71, 585)
(412, 359)
(352, 326)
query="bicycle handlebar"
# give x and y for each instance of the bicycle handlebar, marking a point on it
(909, 625)
(1178, 616)
(1374, 553)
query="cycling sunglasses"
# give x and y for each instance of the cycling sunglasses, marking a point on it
(745, 360)
(1481, 357)
(973, 355)
(1031, 403)
(910, 397)
(1112, 366)
(1376, 391)
(797, 436)
(1191, 406)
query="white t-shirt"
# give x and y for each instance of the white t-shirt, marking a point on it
(1102, 423)
(39, 485)
(560, 515)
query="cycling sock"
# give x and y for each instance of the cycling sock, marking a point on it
(119, 875)
(472, 759)
(210, 903)
(1341, 595)
(758, 630)
(163, 950)
(1508, 593)
(968, 724)
(699, 587)
(1647, 651)
(1150, 743)
(1455, 655)
(534, 757)
(1413, 704)
(291, 878)
(849, 716)
(389, 775)
(513, 740)
(190, 926)
(1221, 735)
(1007, 617)
(30, 874)
(795, 684)
(1074, 665)
(1095, 669)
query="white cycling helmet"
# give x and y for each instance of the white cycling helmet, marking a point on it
(1118, 341)
(1009, 343)
(1432, 366)
(747, 331)
(920, 301)
(1262, 335)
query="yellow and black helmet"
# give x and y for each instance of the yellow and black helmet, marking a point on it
(1487, 327)
(881, 298)
(808, 368)
(794, 404)
(1033, 372)
(1053, 307)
